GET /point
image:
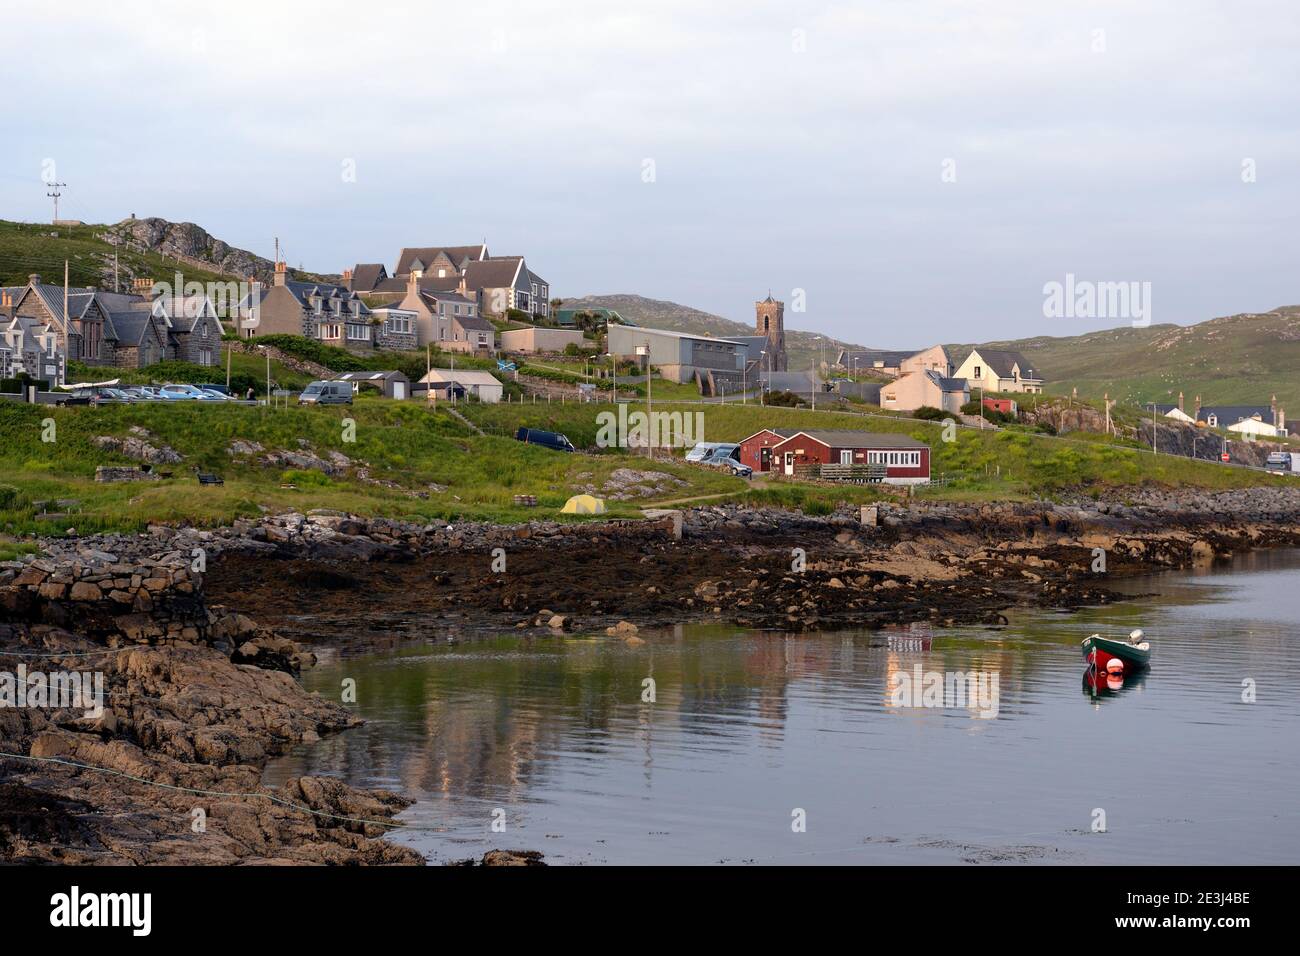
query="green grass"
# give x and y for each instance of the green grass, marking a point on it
(1235, 360)
(1005, 463)
(404, 443)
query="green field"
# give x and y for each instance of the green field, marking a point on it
(1012, 462)
(404, 444)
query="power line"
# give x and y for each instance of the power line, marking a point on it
(55, 195)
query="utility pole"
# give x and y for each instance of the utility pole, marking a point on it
(66, 324)
(115, 285)
(55, 194)
(229, 349)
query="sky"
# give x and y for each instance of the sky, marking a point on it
(907, 171)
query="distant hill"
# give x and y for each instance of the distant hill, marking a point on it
(145, 248)
(803, 347)
(1238, 359)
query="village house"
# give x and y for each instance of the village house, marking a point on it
(314, 310)
(933, 359)
(999, 370)
(925, 389)
(28, 346)
(901, 460)
(121, 330)
(1261, 421)
(495, 284)
(1172, 411)
(872, 360)
(444, 317)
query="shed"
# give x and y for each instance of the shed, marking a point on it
(389, 384)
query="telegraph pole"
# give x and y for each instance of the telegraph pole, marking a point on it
(55, 194)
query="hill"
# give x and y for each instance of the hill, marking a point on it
(145, 248)
(1236, 359)
(803, 347)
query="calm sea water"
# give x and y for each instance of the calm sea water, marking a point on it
(749, 727)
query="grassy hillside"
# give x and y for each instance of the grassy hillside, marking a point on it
(1235, 360)
(1006, 463)
(803, 347)
(417, 463)
(27, 248)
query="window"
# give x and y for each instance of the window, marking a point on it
(979, 373)
(399, 324)
(358, 333)
(205, 357)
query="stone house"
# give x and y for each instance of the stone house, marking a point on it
(315, 310)
(121, 330)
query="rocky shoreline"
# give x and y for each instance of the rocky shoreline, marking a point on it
(198, 635)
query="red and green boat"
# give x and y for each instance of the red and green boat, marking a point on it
(1133, 654)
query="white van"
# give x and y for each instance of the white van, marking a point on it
(326, 393)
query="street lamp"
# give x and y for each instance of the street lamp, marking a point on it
(762, 393)
(649, 401)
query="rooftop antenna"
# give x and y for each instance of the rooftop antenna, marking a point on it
(55, 196)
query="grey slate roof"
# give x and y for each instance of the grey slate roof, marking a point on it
(491, 273)
(1002, 360)
(948, 384)
(1231, 414)
(366, 275)
(426, 254)
(868, 358)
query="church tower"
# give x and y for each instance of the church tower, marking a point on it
(770, 323)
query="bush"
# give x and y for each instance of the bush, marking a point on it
(10, 497)
(333, 358)
(783, 399)
(930, 413)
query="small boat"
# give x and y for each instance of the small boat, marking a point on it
(1133, 654)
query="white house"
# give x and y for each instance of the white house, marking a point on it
(482, 385)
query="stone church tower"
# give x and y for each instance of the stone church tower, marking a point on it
(770, 322)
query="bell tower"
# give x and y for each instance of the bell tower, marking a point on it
(770, 323)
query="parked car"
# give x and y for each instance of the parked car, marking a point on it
(106, 394)
(182, 393)
(733, 466)
(142, 393)
(1287, 462)
(552, 440)
(705, 450)
(223, 390)
(326, 393)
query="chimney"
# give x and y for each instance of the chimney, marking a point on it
(142, 286)
(1273, 407)
(1180, 401)
(281, 273)
(413, 283)
(34, 278)
(347, 278)
(6, 306)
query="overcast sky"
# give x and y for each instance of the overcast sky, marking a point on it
(794, 146)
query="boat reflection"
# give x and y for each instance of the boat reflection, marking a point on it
(1098, 683)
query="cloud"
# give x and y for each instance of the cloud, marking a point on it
(1097, 139)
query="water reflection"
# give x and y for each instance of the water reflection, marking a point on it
(745, 727)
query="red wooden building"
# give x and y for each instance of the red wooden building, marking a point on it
(906, 460)
(756, 450)
(1007, 406)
